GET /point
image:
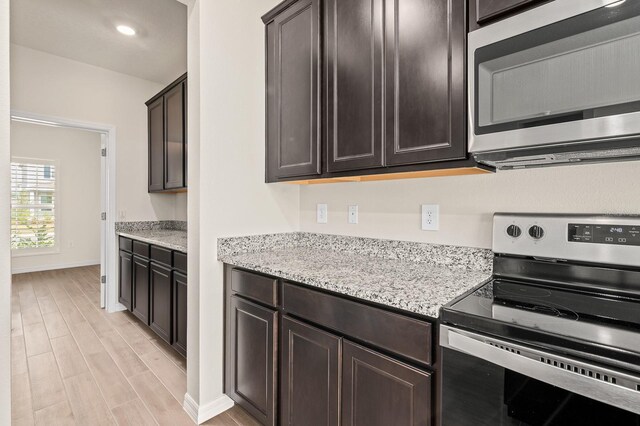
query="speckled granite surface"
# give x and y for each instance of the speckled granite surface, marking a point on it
(436, 254)
(415, 277)
(174, 225)
(169, 238)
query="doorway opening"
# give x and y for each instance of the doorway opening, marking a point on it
(44, 224)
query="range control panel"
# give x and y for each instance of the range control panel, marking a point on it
(604, 234)
(604, 239)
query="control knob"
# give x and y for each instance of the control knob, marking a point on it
(514, 231)
(536, 232)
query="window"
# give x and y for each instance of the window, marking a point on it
(33, 189)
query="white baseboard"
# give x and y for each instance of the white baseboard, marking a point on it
(38, 268)
(201, 414)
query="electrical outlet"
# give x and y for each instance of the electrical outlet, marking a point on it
(322, 213)
(430, 217)
(353, 214)
(122, 215)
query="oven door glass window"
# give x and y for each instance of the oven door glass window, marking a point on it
(584, 67)
(478, 393)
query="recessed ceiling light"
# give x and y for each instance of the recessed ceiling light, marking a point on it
(615, 3)
(126, 30)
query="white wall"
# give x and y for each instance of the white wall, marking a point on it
(50, 85)
(391, 209)
(77, 156)
(231, 197)
(5, 255)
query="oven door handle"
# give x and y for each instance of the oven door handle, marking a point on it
(613, 387)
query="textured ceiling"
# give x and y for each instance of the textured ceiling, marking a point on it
(84, 30)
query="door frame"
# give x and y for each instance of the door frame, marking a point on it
(108, 243)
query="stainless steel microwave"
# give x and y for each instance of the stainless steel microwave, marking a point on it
(557, 84)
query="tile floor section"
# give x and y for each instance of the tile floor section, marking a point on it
(75, 364)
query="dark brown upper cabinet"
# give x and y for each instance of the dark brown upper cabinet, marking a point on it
(293, 92)
(353, 63)
(156, 144)
(483, 12)
(425, 81)
(167, 116)
(393, 88)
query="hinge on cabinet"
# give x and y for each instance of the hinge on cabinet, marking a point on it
(103, 152)
(103, 279)
(103, 216)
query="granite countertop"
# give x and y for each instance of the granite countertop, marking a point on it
(413, 283)
(169, 238)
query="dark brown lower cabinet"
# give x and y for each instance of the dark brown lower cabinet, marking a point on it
(253, 342)
(179, 338)
(140, 300)
(152, 287)
(290, 357)
(160, 299)
(124, 280)
(378, 390)
(310, 375)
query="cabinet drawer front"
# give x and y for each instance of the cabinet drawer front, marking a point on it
(161, 255)
(141, 249)
(258, 287)
(180, 261)
(402, 335)
(378, 390)
(126, 244)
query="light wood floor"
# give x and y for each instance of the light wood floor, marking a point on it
(74, 364)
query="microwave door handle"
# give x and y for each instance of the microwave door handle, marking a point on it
(620, 391)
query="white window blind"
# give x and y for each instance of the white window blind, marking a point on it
(33, 197)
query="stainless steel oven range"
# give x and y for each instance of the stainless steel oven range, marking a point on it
(553, 338)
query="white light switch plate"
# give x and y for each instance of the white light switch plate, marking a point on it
(353, 214)
(322, 213)
(430, 217)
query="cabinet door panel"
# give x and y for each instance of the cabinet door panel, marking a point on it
(179, 337)
(160, 298)
(174, 137)
(425, 96)
(354, 92)
(293, 92)
(378, 390)
(125, 278)
(156, 145)
(140, 302)
(310, 375)
(253, 354)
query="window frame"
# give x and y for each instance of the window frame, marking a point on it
(55, 249)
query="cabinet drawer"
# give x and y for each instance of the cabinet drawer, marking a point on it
(180, 261)
(161, 255)
(254, 286)
(396, 333)
(125, 244)
(141, 249)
